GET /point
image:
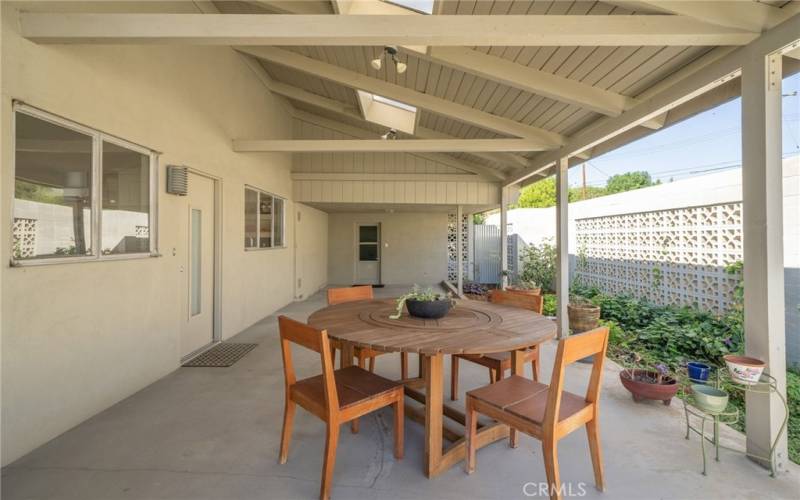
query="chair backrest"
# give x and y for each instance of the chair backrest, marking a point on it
(531, 302)
(349, 294)
(575, 347)
(316, 340)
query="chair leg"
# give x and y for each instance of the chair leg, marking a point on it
(535, 369)
(471, 431)
(362, 363)
(500, 374)
(398, 427)
(333, 356)
(372, 364)
(550, 455)
(453, 378)
(286, 433)
(403, 365)
(492, 376)
(330, 460)
(593, 432)
(513, 438)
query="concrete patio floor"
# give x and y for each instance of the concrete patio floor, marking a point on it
(213, 433)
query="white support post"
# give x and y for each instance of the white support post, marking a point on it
(562, 247)
(503, 238)
(762, 211)
(460, 253)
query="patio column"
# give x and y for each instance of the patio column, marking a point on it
(562, 247)
(460, 253)
(503, 238)
(762, 211)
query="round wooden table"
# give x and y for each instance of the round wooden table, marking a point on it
(471, 327)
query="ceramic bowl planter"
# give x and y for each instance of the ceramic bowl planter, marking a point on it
(709, 399)
(428, 309)
(642, 385)
(698, 372)
(744, 370)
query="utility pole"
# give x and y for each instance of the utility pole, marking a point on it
(583, 173)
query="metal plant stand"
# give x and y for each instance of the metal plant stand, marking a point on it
(766, 385)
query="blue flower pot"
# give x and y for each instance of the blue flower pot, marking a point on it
(698, 372)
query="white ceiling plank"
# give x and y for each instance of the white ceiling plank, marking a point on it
(292, 92)
(746, 15)
(360, 133)
(532, 80)
(547, 139)
(382, 146)
(661, 98)
(328, 30)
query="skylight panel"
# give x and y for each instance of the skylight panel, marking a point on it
(392, 102)
(422, 6)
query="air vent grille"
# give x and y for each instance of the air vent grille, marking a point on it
(177, 180)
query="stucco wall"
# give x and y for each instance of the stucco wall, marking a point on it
(416, 251)
(312, 250)
(79, 337)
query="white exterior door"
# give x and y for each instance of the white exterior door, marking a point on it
(368, 254)
(198, 330)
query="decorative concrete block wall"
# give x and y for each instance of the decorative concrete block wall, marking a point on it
(673, 256)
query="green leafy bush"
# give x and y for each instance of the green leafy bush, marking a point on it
(539, 265)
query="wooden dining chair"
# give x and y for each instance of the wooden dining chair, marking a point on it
(351, 294)
(547, 413)
(499, 363)
(335, 396)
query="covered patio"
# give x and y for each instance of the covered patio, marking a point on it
(214, 433)
(179, 174)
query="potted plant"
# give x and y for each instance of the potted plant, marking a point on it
(654, 383)
(525, 287)
(583, 314)
(424, 303)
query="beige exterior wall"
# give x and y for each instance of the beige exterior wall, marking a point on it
(416, 251)
(78, 337)
(311, 245)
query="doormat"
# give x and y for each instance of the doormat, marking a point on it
(373, 286)
(221, 355)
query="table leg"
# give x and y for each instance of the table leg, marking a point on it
(347, 354)
(434, 395)
(517, 368)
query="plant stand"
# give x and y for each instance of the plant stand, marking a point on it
(766, 385)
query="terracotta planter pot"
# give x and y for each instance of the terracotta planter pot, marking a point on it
(664, 391)
(583, 317)
(524, 291)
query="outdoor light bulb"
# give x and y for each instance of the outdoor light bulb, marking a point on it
(376, 63)
(401, 67)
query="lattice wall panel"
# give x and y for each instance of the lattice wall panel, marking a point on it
(24, 237)
(452, 246)
(669, 256)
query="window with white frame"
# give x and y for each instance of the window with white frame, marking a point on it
(79, 194)
(263, 219)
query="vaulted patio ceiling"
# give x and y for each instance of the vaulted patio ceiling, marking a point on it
(545, 72)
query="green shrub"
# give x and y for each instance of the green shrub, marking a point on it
(793, 393)
(539, 265)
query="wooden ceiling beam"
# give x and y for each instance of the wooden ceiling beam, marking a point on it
(359, 30)
(380, 145)
(546, 139)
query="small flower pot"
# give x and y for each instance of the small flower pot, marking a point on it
(428, 309)
(709, 399)
(744, 370)
(583, 317)
(698, 372)
(634, 381)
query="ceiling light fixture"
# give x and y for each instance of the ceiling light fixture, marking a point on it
(390, 52)
(390, 135)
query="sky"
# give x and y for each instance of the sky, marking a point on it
(708, 142)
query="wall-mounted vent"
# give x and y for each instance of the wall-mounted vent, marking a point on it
(177, 180)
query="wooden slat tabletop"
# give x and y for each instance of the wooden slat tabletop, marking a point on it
(471, 327)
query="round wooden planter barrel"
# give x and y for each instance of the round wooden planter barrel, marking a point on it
(524, 291)
(583, 318)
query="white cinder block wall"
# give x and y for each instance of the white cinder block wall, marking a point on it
(76, 338)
